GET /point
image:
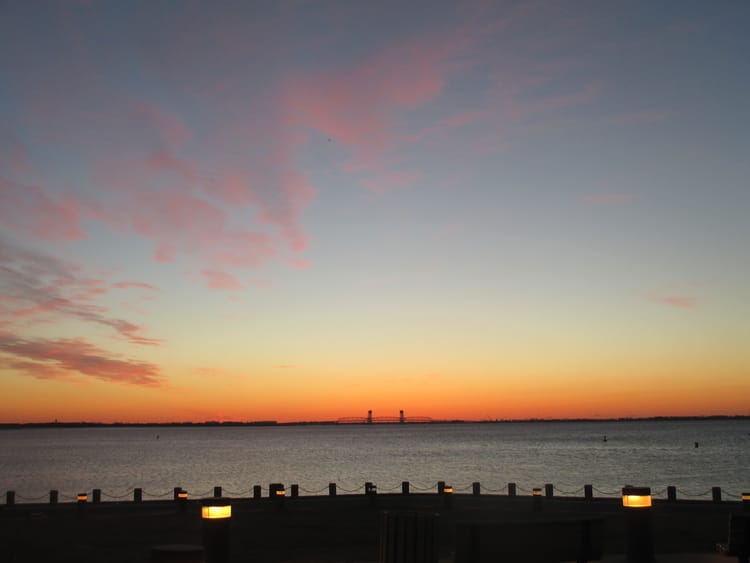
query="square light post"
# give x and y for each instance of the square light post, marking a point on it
(81, 500)
(536, 494)
(636, 502)
(448, 496)
(216, 515)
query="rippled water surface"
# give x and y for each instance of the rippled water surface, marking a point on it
(567, 454)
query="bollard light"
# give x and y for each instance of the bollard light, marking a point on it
(216, 515)
(213, 511)
(448, 496)
(636, 502)
(745, 497)
(276, 490)
(746, 502)
(182, 495)
(536, 497)
(636, 497)
(81, 504)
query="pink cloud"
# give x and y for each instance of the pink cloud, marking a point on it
(395, 179)
(608, 199)
(169, 199)
(356, 105)
(171, 128)
(676, 301)
(39, 288)
(29, 211)
(135, 285)
(163, 161)
(221, 280)
(46, 358)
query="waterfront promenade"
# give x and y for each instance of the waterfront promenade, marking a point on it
(327, 529)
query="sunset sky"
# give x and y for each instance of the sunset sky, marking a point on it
(303, 210)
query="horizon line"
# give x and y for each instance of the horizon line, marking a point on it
(364, 422)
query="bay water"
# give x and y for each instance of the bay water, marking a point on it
(567, 454)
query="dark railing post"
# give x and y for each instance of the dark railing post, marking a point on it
(137, 494)
(476, 488)
(53, 496)
(217, 492)
(440, 487)
(404, 487)
(96, 496)
(716, 494)
(672, 493)
(10, 498)
(332, 489)
(588, 492)
(176, 492)
(295, 491)
(511, 489)
(257, 492)
(549, 490)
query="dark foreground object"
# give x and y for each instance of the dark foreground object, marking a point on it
(537, 540)
(322, 529)
(738, 543)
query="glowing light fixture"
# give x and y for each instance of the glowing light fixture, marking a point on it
(448, 490)
(745, 497)
(280, 492)
(536, 491)
(182, 495)
(216, 512)
(82, 497)
(636, 497)
(216, 516)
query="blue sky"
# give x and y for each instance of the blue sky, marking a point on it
(472, 201)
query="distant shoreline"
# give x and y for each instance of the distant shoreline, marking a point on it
(211, 423)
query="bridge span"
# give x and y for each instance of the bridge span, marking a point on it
(369, 419)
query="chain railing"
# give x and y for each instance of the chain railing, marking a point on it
(329, 489)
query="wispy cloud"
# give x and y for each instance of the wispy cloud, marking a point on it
(55, 359)
(221, 280)
(38, 288)
(30, 211)
(680, 301)
(135, 285)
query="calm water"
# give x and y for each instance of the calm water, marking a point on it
(568, 455)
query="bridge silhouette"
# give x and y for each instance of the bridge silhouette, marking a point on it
(369, 419)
